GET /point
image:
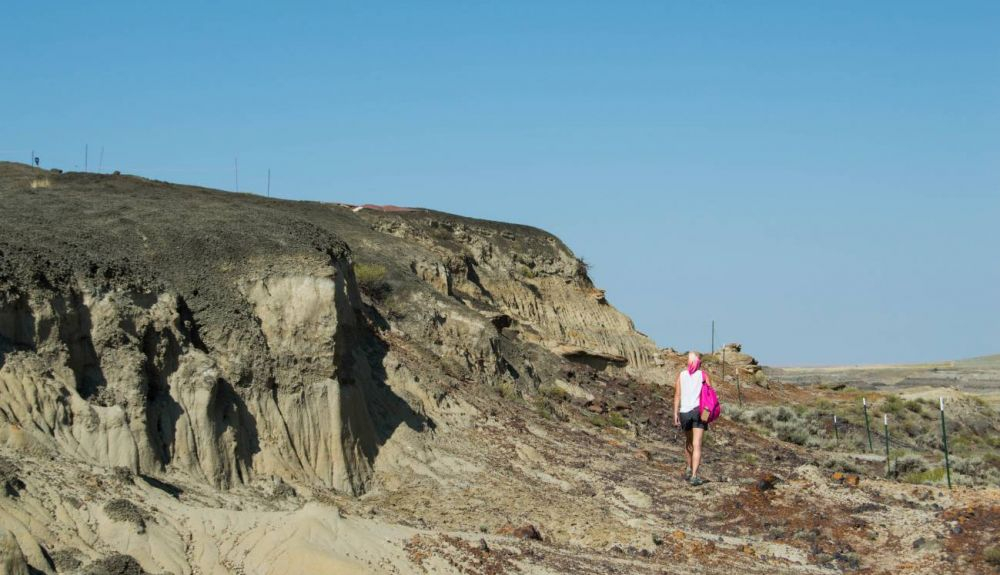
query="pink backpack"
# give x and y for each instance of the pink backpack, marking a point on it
(709, 406)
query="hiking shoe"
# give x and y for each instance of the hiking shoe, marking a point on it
(687, 475)
(696, 481)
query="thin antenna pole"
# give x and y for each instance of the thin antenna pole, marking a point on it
(86, 157)
(269, 182)
(31, 162)
(713, 336)
(236, 167)
(100, 163)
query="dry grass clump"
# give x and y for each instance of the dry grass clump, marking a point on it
(371, 280)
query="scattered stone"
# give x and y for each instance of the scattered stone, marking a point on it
(483, 546)
(122, 475)
(644, 455)
(766, 482)
(678, 535)
(919, 542)
(526, 531)
(868, 508)
(849, 479)
(283, 490)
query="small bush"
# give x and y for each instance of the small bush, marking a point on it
(544, 408)
(553, 392)
(910, 463)
(892, 405)
(597, 420)
(992, 556)
(507, 390)
(125, 510)
(528, 272)
(791, 432)
(784, 414)
(371, 280)
(842, 464)
(763, 416)
(935, 475)
(616, 419)
(738, 414)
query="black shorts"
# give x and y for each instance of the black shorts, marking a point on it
(690, 420)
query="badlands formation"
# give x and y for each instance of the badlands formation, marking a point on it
(201, 382)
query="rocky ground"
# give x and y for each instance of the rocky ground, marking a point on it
(194, 381)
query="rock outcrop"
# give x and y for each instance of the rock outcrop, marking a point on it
(160, 333)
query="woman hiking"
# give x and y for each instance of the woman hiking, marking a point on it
(687, 416)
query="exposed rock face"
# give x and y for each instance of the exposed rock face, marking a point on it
(172, 329)
(183, 344)
(180, 332)
(520, 279)
(12, 560)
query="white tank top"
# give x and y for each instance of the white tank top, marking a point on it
(691, 390)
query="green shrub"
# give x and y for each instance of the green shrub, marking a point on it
(553, 392)
(738, 414)
(892, 405)
(371, 280)
(597, 420)
(507, 390)
(616, 419)
(528, 272)
(935, 475)
(791, 432)
(785, 414)
(992, 555)
(762, 416)
(544, 408)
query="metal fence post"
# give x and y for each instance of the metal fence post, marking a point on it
(723, 365)
(868, 427)
(836, 432)
(944, 438)
(739, 390)
(886, 427)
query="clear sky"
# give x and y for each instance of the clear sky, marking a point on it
(821, 178)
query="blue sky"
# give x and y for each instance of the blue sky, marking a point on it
(821, 178)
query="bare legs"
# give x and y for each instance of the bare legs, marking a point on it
(692, 449)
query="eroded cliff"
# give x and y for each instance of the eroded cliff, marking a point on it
(194, 381)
